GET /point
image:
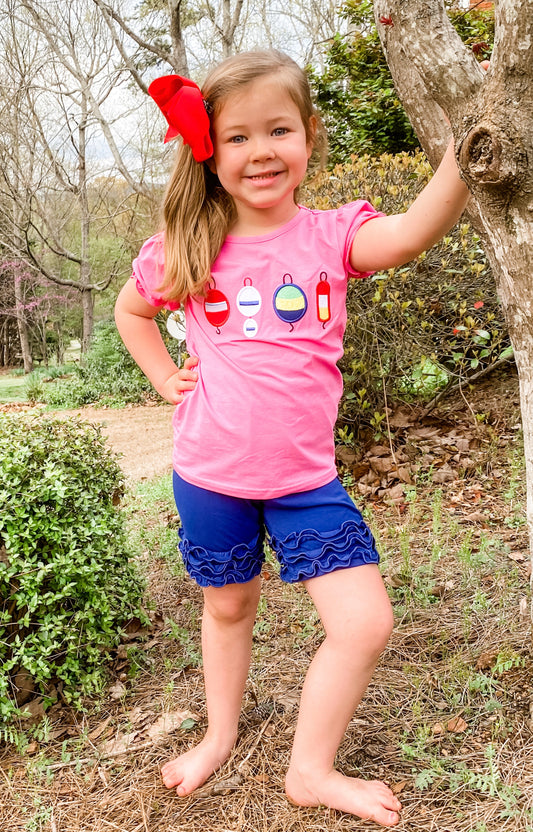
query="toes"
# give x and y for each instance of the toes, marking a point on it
(171, 777)
(385, 818)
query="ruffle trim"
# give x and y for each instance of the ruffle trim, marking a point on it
(235, 566)
(154, 299)
(310, 553)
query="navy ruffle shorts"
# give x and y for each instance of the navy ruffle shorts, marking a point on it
(312, 533)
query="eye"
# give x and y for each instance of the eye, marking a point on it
(280, 131)
(237, 139)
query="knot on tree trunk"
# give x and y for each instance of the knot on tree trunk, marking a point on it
(488, 157)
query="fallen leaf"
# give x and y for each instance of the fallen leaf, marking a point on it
(33, 709)
(475, 517)
(462, 444)
(346, 455)
(456, 725)
(404, 474)
(380, 464)
(170, 722)
(444, 474)
(424, 433)
(359, 470)
(517, 556)
(394, 495)
(397, 788)
(438, 728)
(119, 744)
(99, 730)
(378, 450)
(117, 691)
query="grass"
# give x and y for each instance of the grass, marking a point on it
(12, 388)
(446, 719)
(17, 387)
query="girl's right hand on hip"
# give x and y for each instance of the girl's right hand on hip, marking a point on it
(178, 383)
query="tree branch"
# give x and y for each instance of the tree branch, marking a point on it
(150, 47)
(120, 47)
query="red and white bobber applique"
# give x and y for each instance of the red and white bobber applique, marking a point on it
(216, 306)
(323, 306)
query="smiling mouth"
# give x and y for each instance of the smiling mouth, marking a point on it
(260, 176)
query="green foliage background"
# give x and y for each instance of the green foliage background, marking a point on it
(355, 94)
(414, 329)
(108, 375)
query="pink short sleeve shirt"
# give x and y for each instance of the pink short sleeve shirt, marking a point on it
(259, 423)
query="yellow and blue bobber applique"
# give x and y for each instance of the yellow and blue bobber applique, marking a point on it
(323, 306)
(249, 303)
(290, 302)
(216, 306)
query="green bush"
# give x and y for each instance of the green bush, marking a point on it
(108, 375)
(355, 93)
(66, 583)
(414, 329)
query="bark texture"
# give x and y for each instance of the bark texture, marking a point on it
(491, 117)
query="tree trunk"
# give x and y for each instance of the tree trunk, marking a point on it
(22, 326)
(87, 305)
(492, 122)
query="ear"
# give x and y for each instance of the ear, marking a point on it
(313, 126)
(211, 165)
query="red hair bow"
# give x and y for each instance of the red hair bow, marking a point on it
(181, 102)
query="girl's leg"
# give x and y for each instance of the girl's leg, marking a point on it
(357, 617)
(227, 624)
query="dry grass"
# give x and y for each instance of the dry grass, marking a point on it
(458, 589)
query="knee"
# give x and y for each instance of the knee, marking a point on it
(369, 635)
(232, 604)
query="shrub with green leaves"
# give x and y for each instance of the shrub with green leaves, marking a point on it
(108, 375)
(355, 92)
(411, 330)
(66, 582)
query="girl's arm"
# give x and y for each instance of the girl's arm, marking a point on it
(385, 242)
(135, 322)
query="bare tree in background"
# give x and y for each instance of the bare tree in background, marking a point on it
(59, 93)
(188, 37)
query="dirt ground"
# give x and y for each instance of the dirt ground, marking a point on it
(447, 720)
(142, 436)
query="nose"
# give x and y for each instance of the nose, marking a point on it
(261, 148)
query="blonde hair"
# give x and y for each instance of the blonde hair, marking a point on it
(197, 211)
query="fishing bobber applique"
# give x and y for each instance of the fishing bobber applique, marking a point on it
(290, 302)
(323, 305)
(216, 307)
(249, 303)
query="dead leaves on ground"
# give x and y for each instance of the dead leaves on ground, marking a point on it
(439, 451)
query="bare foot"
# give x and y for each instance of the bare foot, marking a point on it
(369, 800)
(192, 769)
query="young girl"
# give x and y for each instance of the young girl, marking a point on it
(263, 282)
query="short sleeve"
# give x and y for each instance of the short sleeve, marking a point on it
(148, 272)
(350, 218)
